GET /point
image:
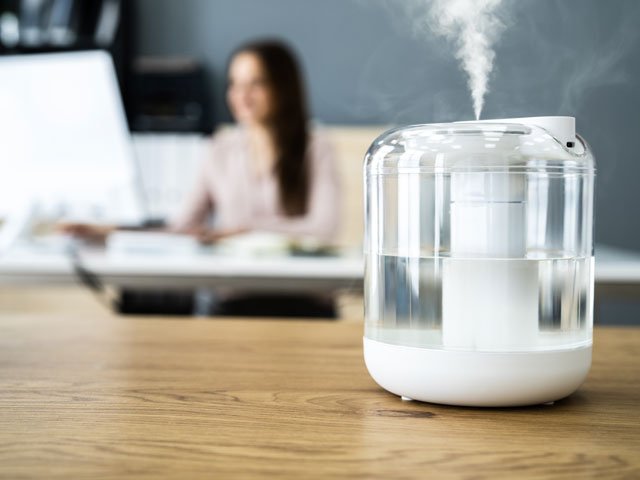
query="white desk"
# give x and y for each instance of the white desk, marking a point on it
(209, 270)
(616, 265)
(203, 270)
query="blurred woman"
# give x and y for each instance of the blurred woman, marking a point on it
(271, 171)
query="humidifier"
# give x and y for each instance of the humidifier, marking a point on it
(479, 261)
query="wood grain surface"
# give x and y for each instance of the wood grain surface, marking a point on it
(104, 397)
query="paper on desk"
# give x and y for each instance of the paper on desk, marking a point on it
(151, 243)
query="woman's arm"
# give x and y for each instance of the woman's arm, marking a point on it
(190, 221)
(199, 202)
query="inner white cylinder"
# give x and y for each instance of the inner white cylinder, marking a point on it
(489, 295)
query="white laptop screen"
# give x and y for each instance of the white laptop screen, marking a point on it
(65, 143)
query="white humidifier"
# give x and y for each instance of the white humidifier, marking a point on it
(479, 261)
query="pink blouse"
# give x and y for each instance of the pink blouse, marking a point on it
(227, 187)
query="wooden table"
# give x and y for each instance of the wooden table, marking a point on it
(104, 397)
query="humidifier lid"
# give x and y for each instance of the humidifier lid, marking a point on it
(519, 144)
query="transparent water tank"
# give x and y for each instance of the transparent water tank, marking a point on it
(479, 261)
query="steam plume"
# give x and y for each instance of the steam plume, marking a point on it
(473, 27)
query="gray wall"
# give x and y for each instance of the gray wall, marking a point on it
(365, 65)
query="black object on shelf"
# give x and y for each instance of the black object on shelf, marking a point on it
(49, 26)
(277, 305)
(61, 25)
(140, 302)
(170, 95)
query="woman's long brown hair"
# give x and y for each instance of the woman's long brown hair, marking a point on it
(287, 123)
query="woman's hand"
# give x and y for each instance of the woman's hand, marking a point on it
(87, 231)
(207, 236)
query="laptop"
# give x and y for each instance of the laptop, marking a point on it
(66, 151)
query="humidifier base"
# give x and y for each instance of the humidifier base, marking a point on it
(477, 379)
